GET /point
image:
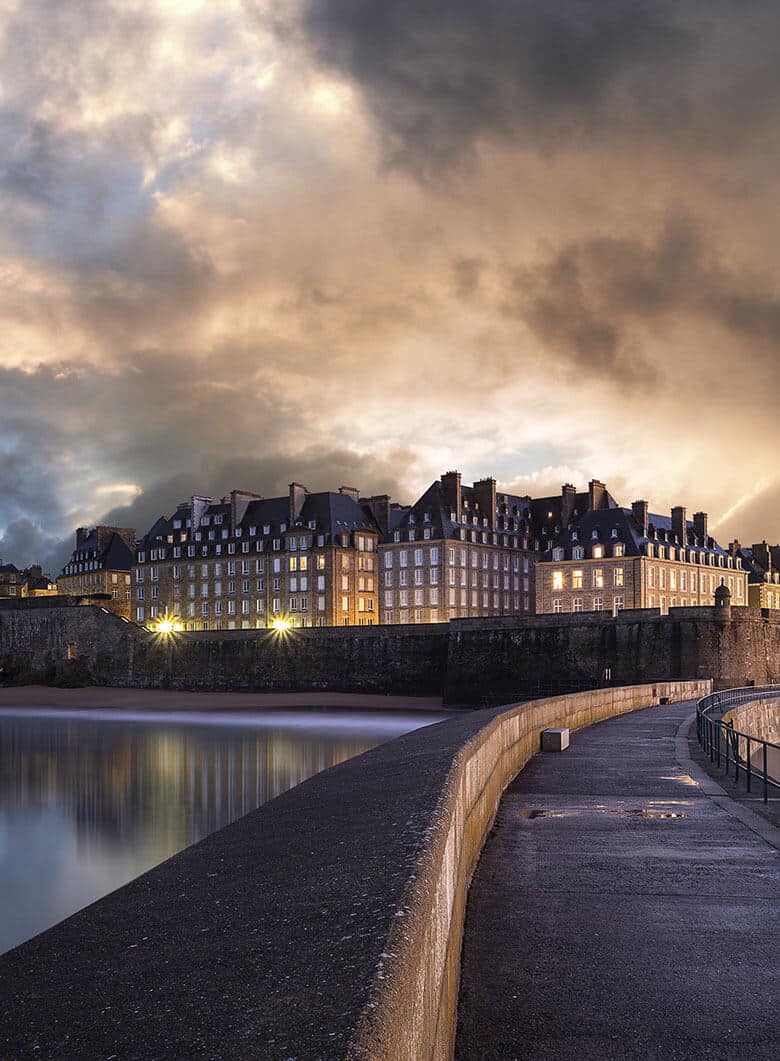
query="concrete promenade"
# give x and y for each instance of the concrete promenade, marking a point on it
(620, 912)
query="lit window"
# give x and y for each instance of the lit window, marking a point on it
(576, 580)
(557, 580)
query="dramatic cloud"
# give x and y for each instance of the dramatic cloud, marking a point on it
(244, 243)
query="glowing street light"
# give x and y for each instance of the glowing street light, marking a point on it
(166, 626)
(281, 626)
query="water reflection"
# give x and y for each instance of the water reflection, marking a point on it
(90, 800)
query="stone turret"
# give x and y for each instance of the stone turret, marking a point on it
(722, 603)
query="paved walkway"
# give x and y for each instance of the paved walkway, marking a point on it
(618, 912)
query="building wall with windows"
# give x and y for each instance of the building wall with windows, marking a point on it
(762, 562)
(245, 562)
(10, 581)
(618, 558)
(101, 565)
(458, 552)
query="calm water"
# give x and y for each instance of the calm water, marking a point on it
(90, 800)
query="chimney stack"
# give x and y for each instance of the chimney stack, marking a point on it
(485, 496)
(379, 507)
(700, 526)
(451, 494)
(568, 501)
(82, 533)
(640, 512)
(350, 491)
(597, 493)
(680, 524)
(298, 496)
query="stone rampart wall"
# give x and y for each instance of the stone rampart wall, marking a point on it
(470, 662)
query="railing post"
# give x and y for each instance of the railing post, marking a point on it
(747, 762)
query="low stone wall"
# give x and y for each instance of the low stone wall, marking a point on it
(326, 924)
(413, 1011)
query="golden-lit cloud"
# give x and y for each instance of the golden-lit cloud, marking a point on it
(243, 242)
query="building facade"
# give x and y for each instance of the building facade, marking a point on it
(36, 584)
(100, 566)
(248, 562)
(459, 551)
(611, 558)
(10, 581)
(763, 565)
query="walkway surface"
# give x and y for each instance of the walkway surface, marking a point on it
(618, 912)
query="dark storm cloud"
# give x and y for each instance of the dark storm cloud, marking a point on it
(595, 300)
(439, 75)
(268, 475)
(158, 413)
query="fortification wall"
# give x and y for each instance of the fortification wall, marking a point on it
(469, 662)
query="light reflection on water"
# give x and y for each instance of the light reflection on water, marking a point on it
(89, 800)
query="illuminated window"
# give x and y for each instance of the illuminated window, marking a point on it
(598, 552)
(576, 581)
(598, 578)
(557, 580)
(617, 576)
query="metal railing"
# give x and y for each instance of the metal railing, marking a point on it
(730, 747)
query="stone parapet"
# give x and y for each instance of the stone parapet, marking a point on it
(326, 924)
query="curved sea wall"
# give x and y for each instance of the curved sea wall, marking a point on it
(761, 719)
(326, 924)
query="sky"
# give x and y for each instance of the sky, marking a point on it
(342, 241)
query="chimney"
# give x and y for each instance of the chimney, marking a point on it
(350, 491)
(198, 510)
(298, 495)
(451, 495)
(568, 501)
(82, 533)
(485, 496)
(679, 524)
(239, 502)
(700, 526)
(379, 507)
(734, 548)
(763, 556)
(639, 510)
(597, 493)
(774, 556)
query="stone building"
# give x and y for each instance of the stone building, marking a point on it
(763, 565)
(458, 551)
(100, 567)
(10, 581)
(249, 562)
(36, 584)
(610, 558)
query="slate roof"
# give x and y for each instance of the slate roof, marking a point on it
(440, 516)
(629, 532)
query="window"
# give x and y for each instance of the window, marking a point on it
(598, 552)
(557, 580)
(617, 605)
(598, 604)
(557, 555)
(598, 578)
(557, 606)
(577, 605)
(576, 581)
(345, 604)
(577, 553)
(617, 576)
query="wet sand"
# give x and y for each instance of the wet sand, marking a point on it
(92, 697)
